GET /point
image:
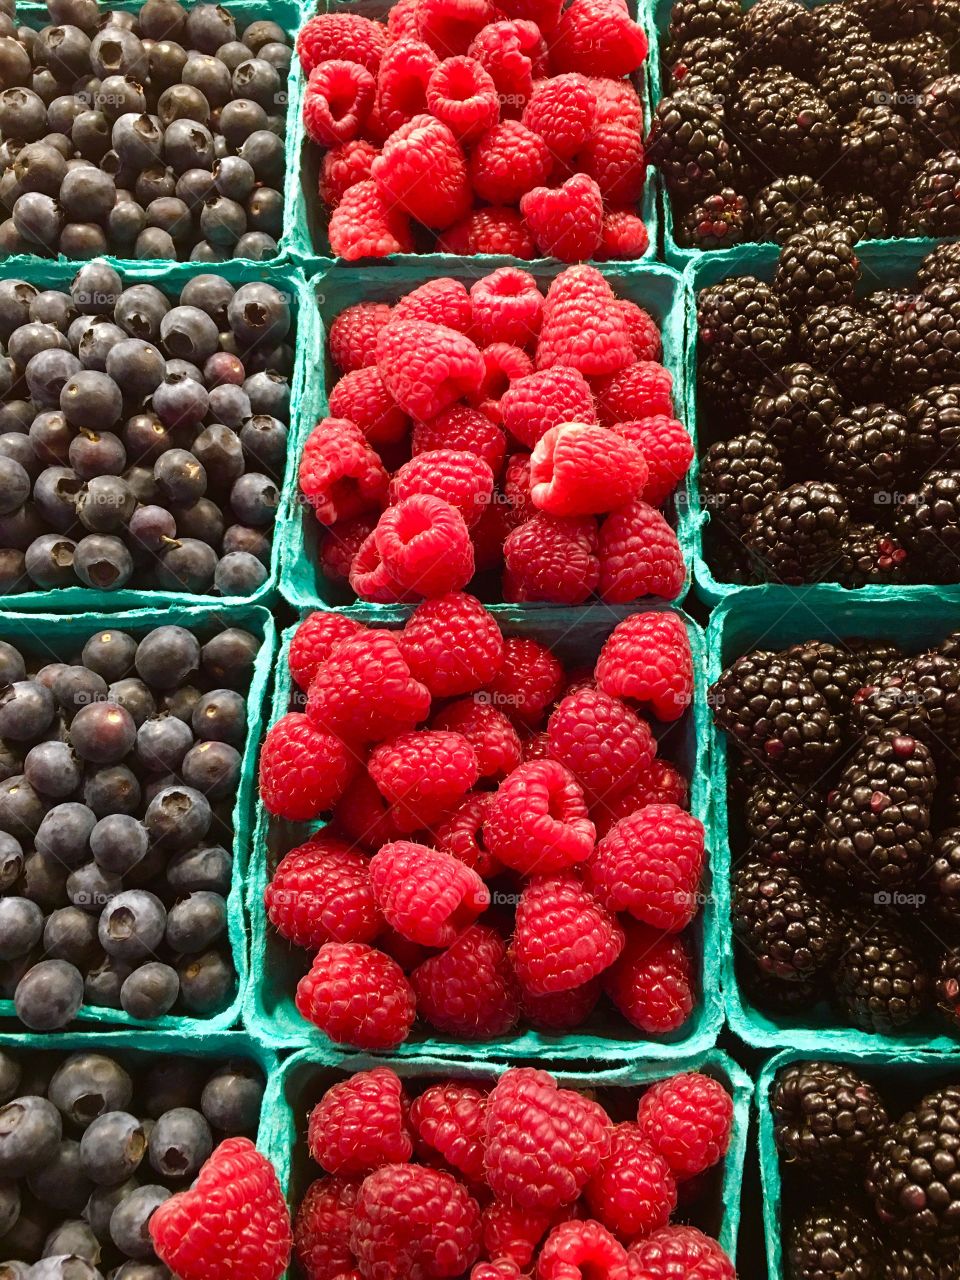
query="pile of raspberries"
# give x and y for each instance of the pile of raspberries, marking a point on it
(504, 844)
(469, 126)
(493, 431)
(512, 1181)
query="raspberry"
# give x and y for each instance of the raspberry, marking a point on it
(647, 659)
(449, 1119)
(529, 680)
(340, 475)
(402, 20)
(544, 13)
(552, 559)
(688, 1119)
(583, 327)
(617, 100)
(363, 226)
(338, 99)
(512, 1233)
(427, 896)
(488, 535)
(321, 892)
(360, 1124)
(463, 429)
(566, 221)
(639, 391)
(343, 166)
(580, 469)
(679, 1251)
(603, 743)
(328, 37)
(622, 235)
(427, 367)
(493, 230)
(660, 784)
(459, 478)
(516, 489)
(463, 96)
(321, 1230)
(423, 775)
(504, 365)
(536, 747)
(538, 820)
(303, 770)
(450, 25)
(562, 110)
(365, 691)
(508, 160)
(460, 833)
(502, 1269)
(644, 332)
(424, 546)
(422, 171)
(314, 640)
(639, 556)
(364, 816)
(405, 71)
(442, 300)
(507, 307)
(652, 981)
(371, 579)
(598, 38)
(613, 157)
(358, 996)
(452, 644)
(633, 1191)
(362, 398)
(543, 1143)
(414, 1221)
(513, 53)
(353, 335)
(561, 1011)
(469, 991)
(666, 445)
(533, 405)
(562, 937)
(488, 731)
(576, 1249)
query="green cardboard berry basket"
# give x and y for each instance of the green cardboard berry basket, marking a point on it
(576, 636)
(657, 288)
(885, 264)
(287, 14)
(170, 278)
(772, 618)
(56, 637)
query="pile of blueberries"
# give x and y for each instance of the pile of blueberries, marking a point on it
(143, 439)
(156, 134)
(120, 768)
(90, 1146)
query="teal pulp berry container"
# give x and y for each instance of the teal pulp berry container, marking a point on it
(60, 637)
(170, 278)
(773, 618)
(576, 636)
(287, 14)
(885, 264)
(303, 1078)
(657, 288)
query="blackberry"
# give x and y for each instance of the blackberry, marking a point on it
(835, 671)
(894, 19)
(786, 205)
(927, 338)
(869, 556)
(914, 1175)
(940, 266)
(909, 1261)
(880, 980)
(826, 1117)
(943, 875)
(783, 822)
(716, 222)
(886, 305)
(691, 19)
(834, 25)
(817, 266)
(931, 682)
(854, 345)
(929, 522)
(790, 933)
(916, 62)
(773, 995)
(727, 557)
(934, 421)
(737, 477)
(864, 452)
(797, 534)
(794, 409)
(825, 1244)
(932, 206)
(785, 122)
(853, 76)
(874, 659)
(725, 389)
(743, 318)
(879, 153)
(705, 62)
(936, 114)
(688, 145)
(863, 213)
(947, 987)
(777, 32)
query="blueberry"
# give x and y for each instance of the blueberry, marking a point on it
(167, 657)
(112, 790)
(96, 343)
(210, 76)
(44, 880)
(112, 1147)
(21, 927)
(110, 654)
(202, 520)
(207, 983)
(240, 574)
(172, 215)
(194, 186)
(39, 167)
(197, 870)
(180, 401)
(73, 1238)
(258, 80)
(268, 393)
(150, 991)
(155, 183)
(30, 1133)
(132, 925)
(263, 150)
(102, 562)
(180, 1143)
(232, 1098)
(55, 494)
(48, 561)
(233, 53)
(88, 195)
(195, 923)
(16, 299)
(48, 996)
(259, 314)
(185, 102)
(129, 1222)
(50, 306)
(95, 289)
(115, 50)
(70, 934)
(64, 833)
(64, 1267)
(188, 144)
(21, 809)
(103, 733)
(178, 817)
(99, 1208)
(154, 242)
(140, 482)
(26, 1238)
(162, 742)
(61, 1183)
(117, 96)
(137, 366)
(139, 1271)
(11, 864)
(173, 1082)
(13, 571)
(52, 769)
(47, 373)
(16, 447)
(181, 701)
(119, 842)
(90, 134)
(229, 405)
(78, 686)
(189, 333)
(82, 240)
(211, 294)
(208, 26)
(152, 527)
(91, 399)
(22, 114)
(240, 118)
(134, 696)
(26, 710)
(125, 223)
(9, 1205)
(14, 485)
(103, 983)
(87, 1085)
(11, 1074)
(139, 311)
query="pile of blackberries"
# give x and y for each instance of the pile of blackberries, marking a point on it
(155, 134)
(120, 768)
(90, 1146)
(142, 439)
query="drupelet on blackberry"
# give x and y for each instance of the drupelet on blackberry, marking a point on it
(879, 152)
(881, 981)
(772, 995)
(688, 145)
(854, 75)
(864, 454)
(788, 931)
(797, 534)
(725, 389)
(737, 476)
(942, 878)
(916, 62)
(794, 408)
(863, 213)
(914, 1175)
(926, 348)
(947, 986)
(784, 822)
(941, 264)
(743, 318)
(827, 1243)
(905, 1260)
(932, 206)
(778, 32)
(929, 521)
(937, 114)
(718, 221)
(826, 1117)
(817, 265)
(854, 344)
(870, 556)
(705, 62)
(934, 419)
(789, 124)
(786, 205)
(691, 19)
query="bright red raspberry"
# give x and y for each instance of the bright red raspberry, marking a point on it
(538, 820)
(365, 691)
(549, 398)
(618, 100)
(536, 747)
(623, 235)
(552, 559)
(405, 71)
(452, 644)
(643, 389)
(450, 1119)
(337, 102)
(462, 479)
(450, 25)
(633, 1192)
(666, 445)
(513, 53)
(529, 680)
(469, 991)
(303, 770)
(563, 936)
(504, 364)
(427, 896)
(414, 1221)
(688, 1119)
(493, 230)
(371, 579)
(613, 157)
(647, 659)
(652, 981)
(562, 110)
(460, 833)
(464, 96)
(512, 1233)
(508, 160)
(543, 1143)
(583, 327)
(353, 335)
(662, 783)
(424, 546)
(639, 556)
(603, 743)
(340, 475)
(679, 1251)
(314, 640)
(362, 399)
(358, 996)
(321, 892)
(644, 331)
(516, 489)
(576, 1249)
(489, 533)
(321, 1230)
(566, 221)
(427, 367)
(507, 307)
(363, 226)
(463, 429)
(364, 816)
(581, 469)
(423, 775)
(422, 171)
(361, 1124)
(502, 1269)
(598, 38)
(488, 731)
(561, 1011)
(402, 20)
(343, 166)
(332, 36)
(442, 300)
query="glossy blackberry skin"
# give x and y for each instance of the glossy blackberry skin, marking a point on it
(688, 145)
(947, 987)
(934, 421)
(790, 126)
(871, 556)
(726, 390)
(718, 221)
(914, 1176)
(772, 994)
(778, 32)
(881, 983)
(737, 477)
(797, 534)
(880, 152)
(941, 265)
(794, 409)
(942, 877)
(926, 348)
(817, 266)
(786, 205)
(705, 62)
(826, 1117)
(855, 345)
(691, 19)
(784, 823)
(864, 455)
(929, 522)
(932, 205)
(743, 318)
(863, 213)
(834, 670)
(937, 114)
(905, 1260)
(917, 62)
(853, 76)
(789, 933)
(825, 1243)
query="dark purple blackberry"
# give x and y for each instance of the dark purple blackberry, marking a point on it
(879, 153)
(835, 25)
(772, 995)
(789, 932)
(705, 62)
(737, 477)
(947, 986)
(787, 205)
(931, 683)
(894, 19)
(863, 454)
(852, 77)
(929, 523)
(835, 670)
(727, 557)
(854, 345)
(725, 391)
(742, 317)
(914, 1175)
(688, 145)
(825, 1244)
(934, 420)
(784, 823)
(927, 338)
(916, 62)
(937, 114)
(817, 266)
(794, 409)
(692, 19)
(863, 212)
(941, 265)
(942, 878)
(785, 122)
(932, 203)
(886, 305)
(826, 1118)
(777, 33)
(880, 978)
(871, 557)
(908, 1261)
(716, 222)
(874, 659)
(797, 534)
